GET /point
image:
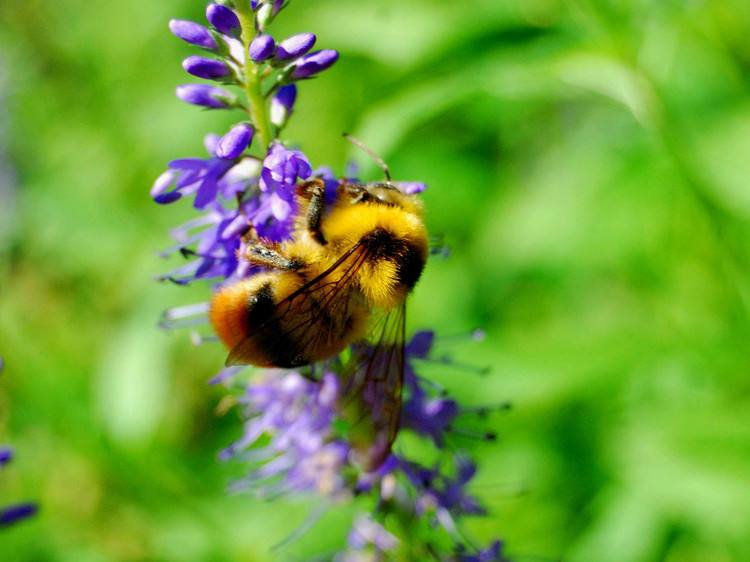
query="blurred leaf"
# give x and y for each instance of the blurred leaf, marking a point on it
(132, 380)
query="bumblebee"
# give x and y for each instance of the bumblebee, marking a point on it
(341, 279)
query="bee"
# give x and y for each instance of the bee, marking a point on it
(341, 280)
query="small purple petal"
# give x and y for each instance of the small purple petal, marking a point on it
(187, 164)
(421, 344)
(234, 143)
(223, 19)
(314, 63)
(262, 48)
(193, 33)
(166, 198)
(202, 67)
(204, 95)
(295, 46)
(281, 209)
(15, 513)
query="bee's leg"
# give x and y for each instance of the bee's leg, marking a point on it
(315, 191)
(260, 254)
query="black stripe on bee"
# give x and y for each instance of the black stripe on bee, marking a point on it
(410, 266)
(272, 341)
(409, 258)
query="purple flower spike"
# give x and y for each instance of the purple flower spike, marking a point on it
(202, 67)
(15, 513)
(204, 95)
(282, 104)
(234, 143)
(314, 63)
(262, 48)
(223, 19)
(193, 33)
(295, 46)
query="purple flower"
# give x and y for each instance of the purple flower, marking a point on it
(6, 455)
(223, 19)
(282, 168)
(282, 104)
(431, 417)
(207, 178)
(205, 68)
(262, 48)
(235, 142)
(294, 414)
(193, 33)
(205, 95)
(314, 63)
(295, 46)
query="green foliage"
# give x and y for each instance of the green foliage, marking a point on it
(588, 165)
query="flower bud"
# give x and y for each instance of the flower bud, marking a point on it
(223, 19)
(282, 104)
(234, 143)
(295, 46)
(266, 11)
(312, 64)
(205, 95)
(261, 48)
(205, 68)
(193, 33)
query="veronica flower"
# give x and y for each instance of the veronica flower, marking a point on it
(294, 439)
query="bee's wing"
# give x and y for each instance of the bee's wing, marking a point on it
(371, 396)
(298, 312)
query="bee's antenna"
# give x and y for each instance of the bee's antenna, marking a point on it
(367, 150)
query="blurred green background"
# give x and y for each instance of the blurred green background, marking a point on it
(588, 164)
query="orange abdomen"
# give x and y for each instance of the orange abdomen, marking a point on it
(259, 331)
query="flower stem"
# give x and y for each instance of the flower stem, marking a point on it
(257, 109)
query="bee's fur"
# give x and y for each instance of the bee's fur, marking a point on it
(370, 245)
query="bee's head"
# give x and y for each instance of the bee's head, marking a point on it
(379, 193)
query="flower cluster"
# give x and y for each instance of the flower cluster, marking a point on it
(249, 176)
(16, 512)
(295, 438)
